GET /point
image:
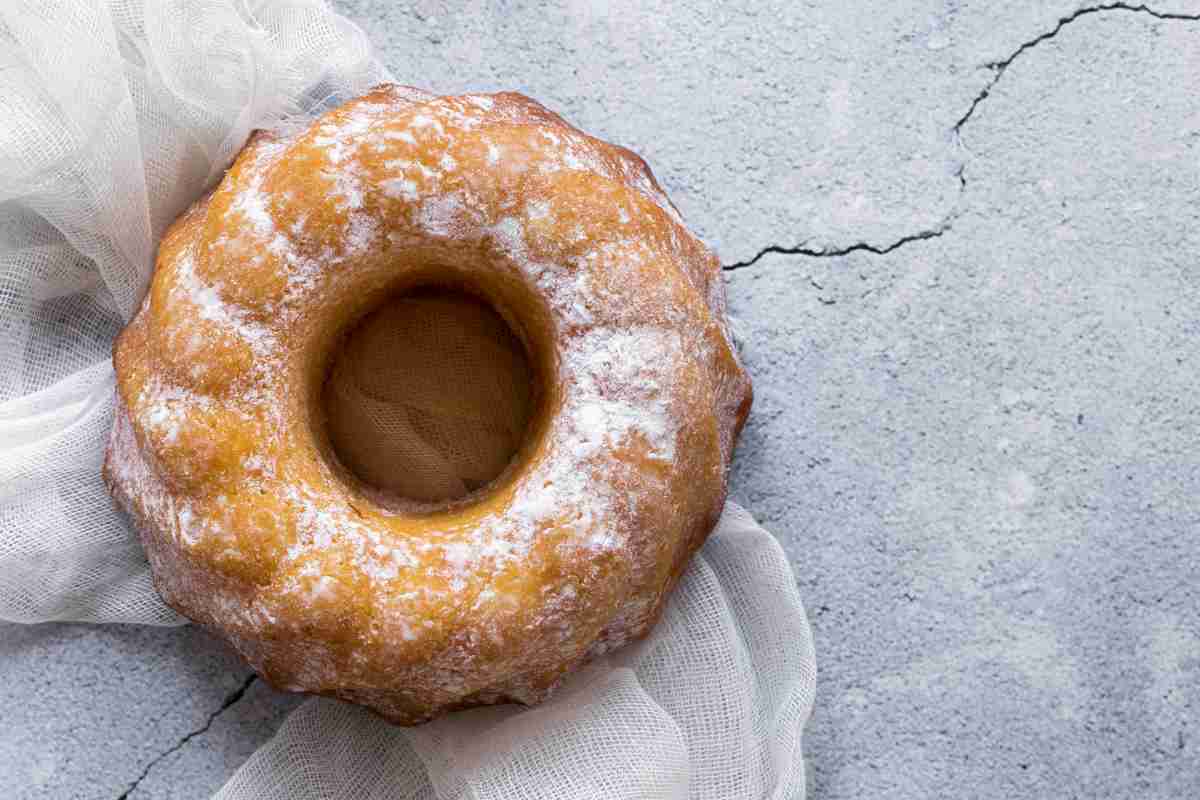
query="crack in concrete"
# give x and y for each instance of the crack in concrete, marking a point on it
(998, 69)
(815, 252)
(229, 700)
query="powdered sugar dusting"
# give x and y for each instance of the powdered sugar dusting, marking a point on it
(619, 390)
(209, 305)
(165, 411)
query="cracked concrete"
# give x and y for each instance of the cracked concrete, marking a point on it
(959, 240)
(998, 67)
(125, 711)
(234, 696)
(857, 247)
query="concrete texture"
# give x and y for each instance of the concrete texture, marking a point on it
(961, 241)
(92, 711)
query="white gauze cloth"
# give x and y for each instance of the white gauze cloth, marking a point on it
(114, 116)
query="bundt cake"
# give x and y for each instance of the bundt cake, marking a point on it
(428, 403)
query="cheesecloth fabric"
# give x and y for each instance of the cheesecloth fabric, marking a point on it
(114, 116)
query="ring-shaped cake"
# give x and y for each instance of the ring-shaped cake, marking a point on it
(256, 528)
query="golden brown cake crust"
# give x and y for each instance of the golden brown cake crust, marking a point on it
(219, 453)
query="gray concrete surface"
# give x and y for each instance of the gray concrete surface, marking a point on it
(975, 362)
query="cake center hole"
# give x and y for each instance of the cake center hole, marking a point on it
(429, 396)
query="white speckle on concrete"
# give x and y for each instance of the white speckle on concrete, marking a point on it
(1020, 489)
